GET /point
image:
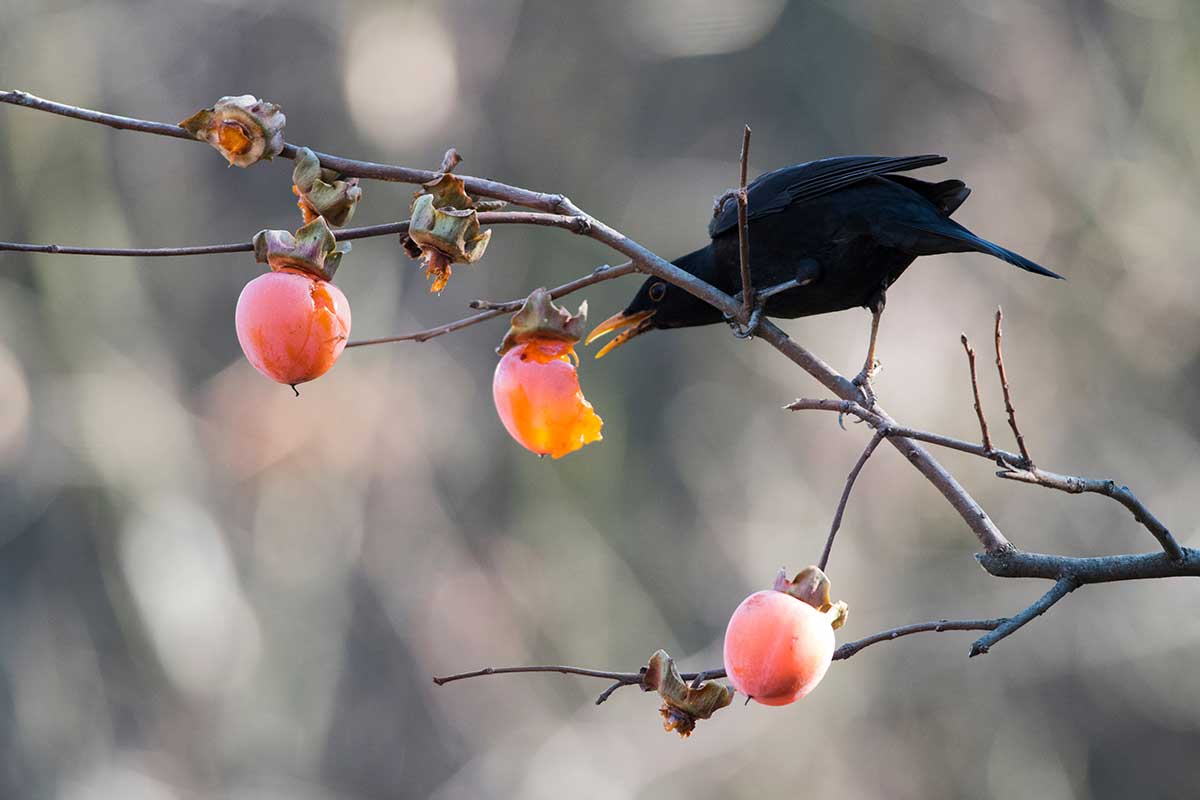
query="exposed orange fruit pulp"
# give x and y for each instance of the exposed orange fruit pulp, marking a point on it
(292, 326)
(233, 138)
(537, 395)
(777, 648)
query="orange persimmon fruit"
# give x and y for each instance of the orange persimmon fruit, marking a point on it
(537, 395)
(777, 648)
(292, 325)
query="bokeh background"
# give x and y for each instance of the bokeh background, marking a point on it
(211, 589)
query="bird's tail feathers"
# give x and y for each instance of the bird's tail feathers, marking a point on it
(954, 238)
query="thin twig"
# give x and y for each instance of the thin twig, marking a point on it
(621, 679)
(494, 310)
(386, 229)
(743, 232)
(1109, 488)
(543, 201)
(607, 693)
(344, 235)
(601, 273)
(1061, 588)
(936, 626)
(841, 507)
(983, 426)
(1008, 405)
(1039, 477)
(627, 677)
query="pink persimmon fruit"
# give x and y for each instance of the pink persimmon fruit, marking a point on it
(777, 648)
(292, 325)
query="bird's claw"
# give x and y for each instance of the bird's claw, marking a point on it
(746, 331)
(863, 381)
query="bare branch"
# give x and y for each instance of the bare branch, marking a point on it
(554, 203)
(743, 232)
(1039, 477)
(1008, 406)
(625, 677)
(936, 626)
(976, 518)
(494, 310)
(1095, 569)
(621, 679)
(1109, 488)
(983, 426)
(572, 223)
(841, 508)
(607, 693)
(601, 273)
(1062, 587)
(344, 235)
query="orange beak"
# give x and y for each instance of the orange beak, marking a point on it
(630, 325)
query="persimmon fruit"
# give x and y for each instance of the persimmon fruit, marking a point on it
(777, 648)
(537, 395)
(292, 325)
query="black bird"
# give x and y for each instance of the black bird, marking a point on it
(824, 236)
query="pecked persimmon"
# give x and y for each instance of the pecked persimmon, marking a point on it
(537, 395)
(535, 386)
(292, 325)
(779, 642)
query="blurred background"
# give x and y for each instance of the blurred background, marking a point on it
(211, 589)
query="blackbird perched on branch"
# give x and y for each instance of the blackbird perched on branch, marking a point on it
(824, 236)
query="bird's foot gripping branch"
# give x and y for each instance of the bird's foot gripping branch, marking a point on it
(449, 215)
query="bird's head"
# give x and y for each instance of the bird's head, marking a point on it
(658, 304)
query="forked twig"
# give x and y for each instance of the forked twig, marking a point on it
(841, 507)
(1008, 405)
(1061, 588)
(983, 426)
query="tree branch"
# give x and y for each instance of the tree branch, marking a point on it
(493, 310)
(1109, 488)
(841, 507)
(1008, 405)
(936, 626)
(621, 679)
(543, 201)
(1062, 587)
(743, 231)
(983, 426)
(1094, 569)
(1008, 461)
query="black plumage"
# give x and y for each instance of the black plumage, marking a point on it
(824, 236)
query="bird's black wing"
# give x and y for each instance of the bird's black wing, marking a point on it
(772, 192)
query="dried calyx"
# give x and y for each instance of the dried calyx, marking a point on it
(244, 129)
(682, 704)
(539, 318)
(812, 586)
(323, 192)
(443, 228)
(312, 249)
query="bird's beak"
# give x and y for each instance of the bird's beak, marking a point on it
(629, 325)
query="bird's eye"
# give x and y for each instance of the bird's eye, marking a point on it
(658, 291)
